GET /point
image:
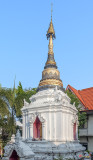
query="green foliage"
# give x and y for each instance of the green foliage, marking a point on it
(20, 96)
(81, 115)
(7, 122)
(3, 109)
(73, 99)
(11, 102)
(8, 128)
(4, 94)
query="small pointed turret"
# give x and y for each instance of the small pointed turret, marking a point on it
(50, 74)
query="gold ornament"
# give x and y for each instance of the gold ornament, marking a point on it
(51, 82)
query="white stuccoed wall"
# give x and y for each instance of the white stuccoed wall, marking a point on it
(54, 110)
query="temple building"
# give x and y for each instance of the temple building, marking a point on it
(85, 97)
(50, 122)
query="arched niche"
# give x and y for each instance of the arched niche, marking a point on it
(14, 156)
(75, 124)
(37, 129)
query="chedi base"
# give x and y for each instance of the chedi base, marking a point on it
(41, 150)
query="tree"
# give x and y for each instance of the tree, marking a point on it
(11, 102)
(20, 96)
(4, 107)
(7, 122)
(81, 115)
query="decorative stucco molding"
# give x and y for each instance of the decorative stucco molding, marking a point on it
(33, 118)
(75, 120)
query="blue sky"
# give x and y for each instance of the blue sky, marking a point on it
(24, 47)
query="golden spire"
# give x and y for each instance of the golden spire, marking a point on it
(50, 74)
(50, 35)
(51, 28)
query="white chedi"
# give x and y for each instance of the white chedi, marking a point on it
(55, 136)
(59, 125)
(50, 122)
(57, 115)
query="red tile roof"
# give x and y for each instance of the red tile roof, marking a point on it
(84, 95)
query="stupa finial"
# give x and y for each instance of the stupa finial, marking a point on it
(50, 74)
(50, 35)
(51, 10)
(51, 31)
